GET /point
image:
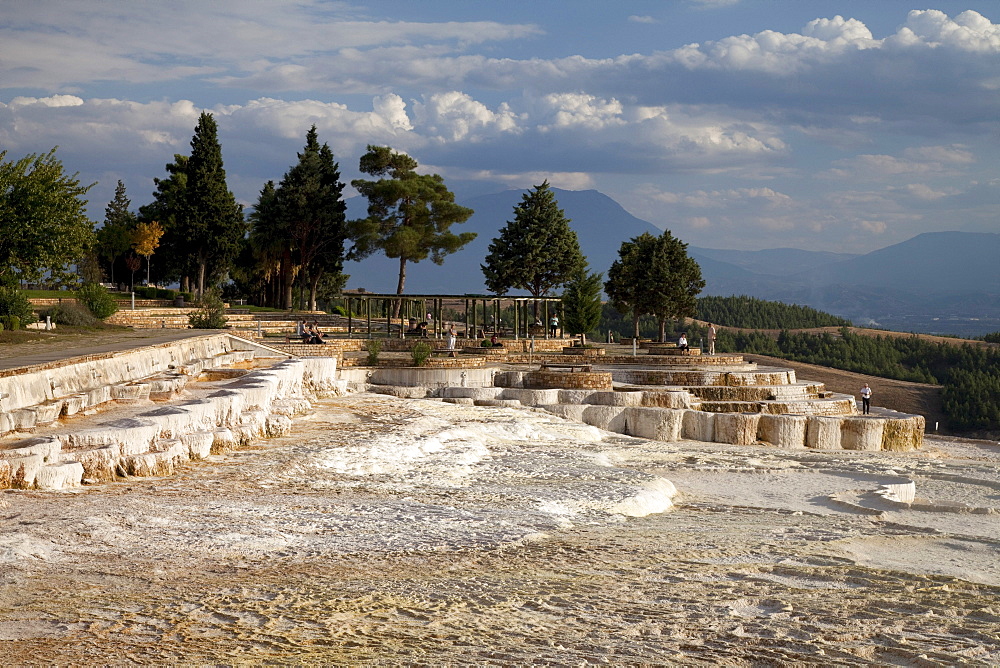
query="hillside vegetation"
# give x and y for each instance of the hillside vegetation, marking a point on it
(968, 372)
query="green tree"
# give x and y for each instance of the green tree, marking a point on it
(673, 282)
(212, 221)
(43, 223)
(582, 302)
(654, 276)
(309, 208)
(537, 251)
(409, 215)
(167, 208)
(624, 286)
(114, 238)
(273, 270)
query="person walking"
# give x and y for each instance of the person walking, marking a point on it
(866, 399)
(711, 339)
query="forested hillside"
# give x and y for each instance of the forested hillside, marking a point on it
(969, 375)
(751, 313)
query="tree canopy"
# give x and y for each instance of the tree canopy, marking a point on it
(212, 221)
(114, 238)
(409, 215)
(309, 208)
(537, 251)
(582, 302)
(43, 224)
(654, 276)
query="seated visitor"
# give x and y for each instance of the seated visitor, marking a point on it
(682, 342)
(495, 342)
(317, 336)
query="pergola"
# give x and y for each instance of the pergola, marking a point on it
(373, 306)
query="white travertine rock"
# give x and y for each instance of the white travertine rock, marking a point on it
(99, 464)
(569, 411)
(464, 401)
(699, 426)
(736, 428)
(24, 419)
(823, 432)
(782, 431)
(606, 398)
(574, 396)
(904, 492)
(658, 424)
(502, 403)
(59, 476)
(531, 397)
(134, 436)
(47, 413)
(131, 393)
(610, 418)
(224, 440)
(199, 443)
(861, 433)
(277, 425)
(472, 392)
(901, 434)
(293, 406)
(24, 469)
(48, 447)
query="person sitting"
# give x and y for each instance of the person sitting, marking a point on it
(307, 334)
(682, 342)
(495, 341)
(317, 336)
(422, 329)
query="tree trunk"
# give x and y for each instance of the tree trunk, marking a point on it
(663, 330)
(286, 279)
(313, 289)
(635, 326)
(202, 266)
(399, 287)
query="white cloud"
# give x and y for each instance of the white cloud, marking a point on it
(642, 19)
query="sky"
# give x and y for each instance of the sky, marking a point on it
(841, 126)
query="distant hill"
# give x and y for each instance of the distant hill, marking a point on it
(600, 223)
(938, 283)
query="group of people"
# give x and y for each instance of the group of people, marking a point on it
(682, 340)
(310, 333)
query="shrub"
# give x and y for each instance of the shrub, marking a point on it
(162, 293)
(14, 303)
(74, 315)
(10, 322)
(212, 314)
(97, 300)
(374, 348)
(420, 353)
(485, 343)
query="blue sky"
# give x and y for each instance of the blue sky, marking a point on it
(746, 124)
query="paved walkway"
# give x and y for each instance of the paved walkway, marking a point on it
(47, 352)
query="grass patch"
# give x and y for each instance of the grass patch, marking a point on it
(61, 332)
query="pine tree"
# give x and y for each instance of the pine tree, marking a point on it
(582, 302)
(409, 215)
(309, 206)
(114, 238)
(537, 251)
(212, 221)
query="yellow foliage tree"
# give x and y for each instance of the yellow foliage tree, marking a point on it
(145, 240)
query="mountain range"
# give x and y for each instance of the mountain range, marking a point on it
(938, 282)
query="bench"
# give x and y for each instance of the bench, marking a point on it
(563, 365)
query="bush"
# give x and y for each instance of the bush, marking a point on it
(10, 322)
(420, 353)
(14, 303)
(374, 348)
(212, 314)
(162, 293)
(485, 343)
(97, 300)
(74, 315)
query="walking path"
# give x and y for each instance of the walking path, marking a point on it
(57, 348)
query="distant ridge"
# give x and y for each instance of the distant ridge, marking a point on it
(937, 283)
